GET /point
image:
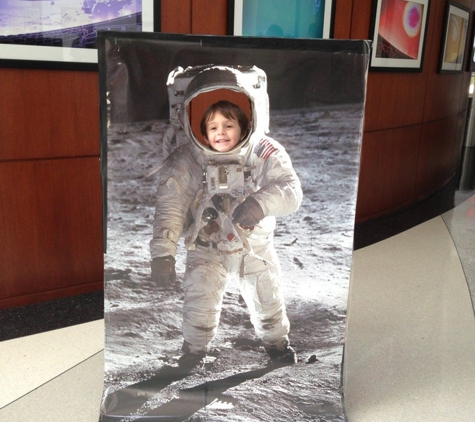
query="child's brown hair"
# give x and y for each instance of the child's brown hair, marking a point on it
(230, 111)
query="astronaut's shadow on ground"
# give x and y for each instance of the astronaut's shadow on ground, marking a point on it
(191, 400)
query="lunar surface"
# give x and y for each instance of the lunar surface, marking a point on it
(143, 323)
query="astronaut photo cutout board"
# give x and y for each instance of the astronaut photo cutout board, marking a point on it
(230, 171)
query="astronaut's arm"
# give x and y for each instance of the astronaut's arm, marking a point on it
(280, 193)
(170, 215)
(175, 192)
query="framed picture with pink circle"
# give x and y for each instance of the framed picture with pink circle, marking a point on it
(398, 32)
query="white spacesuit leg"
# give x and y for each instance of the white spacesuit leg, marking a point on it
(261, 288)
(205, 281)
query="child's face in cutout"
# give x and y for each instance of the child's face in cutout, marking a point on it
(222, 134)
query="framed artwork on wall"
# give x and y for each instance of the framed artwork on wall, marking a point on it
(454, 39)
(281, 18)
(398, 33)
(62, 34)
(471, 48)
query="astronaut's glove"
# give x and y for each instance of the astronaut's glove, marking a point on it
(248, 213)
(163, 271)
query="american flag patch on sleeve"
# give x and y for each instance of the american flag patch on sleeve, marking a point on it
(264, 149)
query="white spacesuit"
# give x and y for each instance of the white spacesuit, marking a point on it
(201, 195)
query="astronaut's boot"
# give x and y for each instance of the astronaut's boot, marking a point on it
(189, 359)
(282, 354)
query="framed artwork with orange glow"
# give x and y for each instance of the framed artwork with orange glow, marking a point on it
(454, 43)
(398, 34)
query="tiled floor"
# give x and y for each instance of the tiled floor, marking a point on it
(409, 346)
(53, 376)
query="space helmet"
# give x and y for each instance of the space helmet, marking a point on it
(185, 85)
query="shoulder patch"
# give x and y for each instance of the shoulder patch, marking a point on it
(264, 149)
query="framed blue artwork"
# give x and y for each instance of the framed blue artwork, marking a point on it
(281, 18)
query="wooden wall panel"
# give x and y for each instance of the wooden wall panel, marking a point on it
(48, 114)
(52, 228)
(388, 171)
(446, 95)
(399, 101)
(342, 25)
(50, 191)
(209, 17)
(459, 139)
(360, 19)
(394, 100)
(176, 16)
(436, 164)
